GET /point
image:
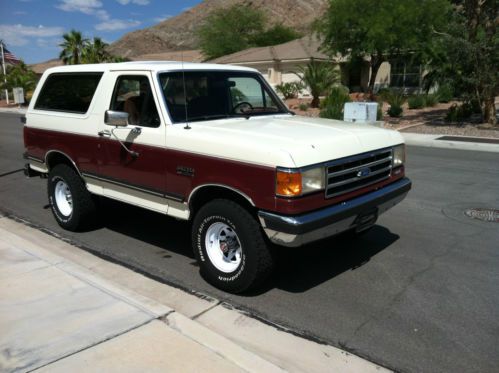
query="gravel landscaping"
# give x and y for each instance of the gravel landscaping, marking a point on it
(428, 120)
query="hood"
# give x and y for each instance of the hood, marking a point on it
(284, 140)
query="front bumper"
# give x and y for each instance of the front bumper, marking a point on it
(358, 213)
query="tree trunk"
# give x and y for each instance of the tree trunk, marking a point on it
(315, 102)
(489, 111)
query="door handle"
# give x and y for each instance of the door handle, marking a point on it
(104, 133)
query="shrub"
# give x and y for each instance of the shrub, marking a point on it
(379, 113)
(416, 102)
(476, 108)
(319, 77)
(459, 113)
(289, 90)
(333, 104)
(395, 99)
(431, 100)
(395, 111)
(445, 93)
(303, 106)
(383, 93)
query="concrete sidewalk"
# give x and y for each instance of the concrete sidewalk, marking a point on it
(63, 309)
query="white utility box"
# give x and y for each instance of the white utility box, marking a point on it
(18, 95)
(363, 112)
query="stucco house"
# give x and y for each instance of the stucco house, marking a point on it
(279, 63)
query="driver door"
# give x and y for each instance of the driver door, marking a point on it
(133, 162)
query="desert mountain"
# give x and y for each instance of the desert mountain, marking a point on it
(178, 33)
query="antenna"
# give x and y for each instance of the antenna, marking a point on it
(187, 127)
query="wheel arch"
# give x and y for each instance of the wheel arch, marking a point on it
(55, 157)
(207, 192)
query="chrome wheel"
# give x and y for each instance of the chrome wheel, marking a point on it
(63, 198)
(223, 247)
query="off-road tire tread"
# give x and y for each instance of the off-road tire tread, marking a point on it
(84, 205)
(261, 249)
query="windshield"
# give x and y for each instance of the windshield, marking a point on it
(216, 95)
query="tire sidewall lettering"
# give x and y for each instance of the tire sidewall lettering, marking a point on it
(53, 204)
(200, 245)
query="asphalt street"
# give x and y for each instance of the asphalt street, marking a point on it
(418, 293)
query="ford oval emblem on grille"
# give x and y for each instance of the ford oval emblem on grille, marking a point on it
(364, 172)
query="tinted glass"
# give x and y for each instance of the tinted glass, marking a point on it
(133, 95)
(71, 93)
(217, 94)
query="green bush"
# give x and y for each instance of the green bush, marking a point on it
(431, 100)
(289, 90)
(416, 102)
(383, 93)
(395, 99)
(333, 104)
(459, 113)
(395, 111)
(303, 106)
(379, 113)
(445, 93)
(476, 108)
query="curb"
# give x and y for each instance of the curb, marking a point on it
(431, 141)
(13, 110)
(184, 325)
(249, 343)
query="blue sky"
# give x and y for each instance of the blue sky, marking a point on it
(32, 29)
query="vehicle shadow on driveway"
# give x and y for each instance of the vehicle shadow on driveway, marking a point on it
(297, 269)
(156, 229)
(300, 269)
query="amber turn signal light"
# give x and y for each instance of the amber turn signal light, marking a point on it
(288, 184)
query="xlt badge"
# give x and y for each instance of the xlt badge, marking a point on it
(185, 171)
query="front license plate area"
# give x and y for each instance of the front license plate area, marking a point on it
(366, 220)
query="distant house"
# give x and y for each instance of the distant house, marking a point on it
(279, 63)
(39, 68)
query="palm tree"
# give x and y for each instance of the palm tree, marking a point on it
(72, 47)
(95, 51)
(319, 77)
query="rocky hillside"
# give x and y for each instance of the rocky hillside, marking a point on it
(179, 32)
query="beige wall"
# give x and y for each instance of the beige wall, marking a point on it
(284, 72)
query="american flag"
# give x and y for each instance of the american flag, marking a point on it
(10, 57)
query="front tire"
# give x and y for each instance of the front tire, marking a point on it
(72, 205)
(229, 247)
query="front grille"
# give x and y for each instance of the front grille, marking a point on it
(352, 173)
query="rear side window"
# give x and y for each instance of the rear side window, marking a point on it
(70, 93)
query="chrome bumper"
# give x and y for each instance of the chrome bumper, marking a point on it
(359, 213)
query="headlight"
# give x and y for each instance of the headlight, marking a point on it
(293, 183)
(398, 155)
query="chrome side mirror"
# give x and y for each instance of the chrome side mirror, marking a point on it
(116, 118)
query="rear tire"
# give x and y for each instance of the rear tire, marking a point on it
(71, 203)
(229, 246)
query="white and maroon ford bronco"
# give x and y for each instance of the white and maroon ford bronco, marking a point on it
(211, 144)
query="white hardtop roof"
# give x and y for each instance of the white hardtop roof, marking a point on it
(154, 66)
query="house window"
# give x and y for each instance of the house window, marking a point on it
(405, 74)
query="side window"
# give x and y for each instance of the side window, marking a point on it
(70, 93)
(133, 95)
